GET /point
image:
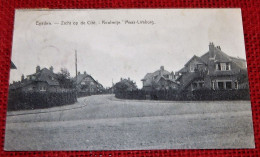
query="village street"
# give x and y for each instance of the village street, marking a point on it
(102, 122)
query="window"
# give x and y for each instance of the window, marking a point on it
(224, 84)
(192, 68)
(228, 85)
(221, 85)
(223, 66)
(201, 84)
(236, 85)
(217, 66)
(213, 85)
(228, 66)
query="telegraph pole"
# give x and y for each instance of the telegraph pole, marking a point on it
(76, 64)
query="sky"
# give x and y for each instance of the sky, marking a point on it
(108, 52)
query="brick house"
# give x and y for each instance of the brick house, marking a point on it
(85, 83)
(42, 80)
(159, 80)
(214, 70)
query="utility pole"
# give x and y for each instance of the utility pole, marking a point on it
(76, 64)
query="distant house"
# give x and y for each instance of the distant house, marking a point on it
(13, 66)
(42, 80)
(159, 80)
(214, 70)
(85, 83)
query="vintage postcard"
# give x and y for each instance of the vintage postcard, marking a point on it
(128, 79)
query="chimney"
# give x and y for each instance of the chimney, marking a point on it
(128, 78)
(172, 75)
(162, 68)
(38, 68)
(51, 68)
(211, 50)
(121, 79)
(85, 73)
(79, 73)
(219, 47)
(22, 77)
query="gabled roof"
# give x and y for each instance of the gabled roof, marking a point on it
(183, 70)
(167, 79)
(46, 75)
(196, 57)
(156, 76)
(19, 84)
(239, 62)
(220, 56)
(81, 77)
(156, 73)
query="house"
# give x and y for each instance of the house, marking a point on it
(42, 80)
(214, 70)
(159, 80)
(85, 83)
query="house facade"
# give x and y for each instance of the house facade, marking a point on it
(160, 80)
(42, 80)
(85, 83)
(214, 70)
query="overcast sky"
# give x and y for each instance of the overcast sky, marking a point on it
(109, 52)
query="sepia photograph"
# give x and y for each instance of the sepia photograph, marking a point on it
(128, 79)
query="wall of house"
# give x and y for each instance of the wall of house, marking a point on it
(40, 86)
(28, 88)
(224, 79)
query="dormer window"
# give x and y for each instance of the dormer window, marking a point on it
(192, 68)
(223, 66)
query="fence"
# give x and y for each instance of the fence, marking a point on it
(19, 100)
(241, 94)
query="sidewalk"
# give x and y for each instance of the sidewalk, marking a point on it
(79, 104)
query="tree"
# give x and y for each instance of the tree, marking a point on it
(120, 87)
(64, 79)
(64, 73)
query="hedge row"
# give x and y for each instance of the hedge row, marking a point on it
(241, 94)
(19, 100)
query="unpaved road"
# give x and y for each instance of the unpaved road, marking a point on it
(103, 122)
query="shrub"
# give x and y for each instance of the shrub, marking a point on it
(19, 100)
